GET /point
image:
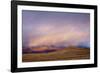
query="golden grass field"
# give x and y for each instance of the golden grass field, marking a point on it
(61, 54)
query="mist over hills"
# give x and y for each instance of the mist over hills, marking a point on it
(49, 48)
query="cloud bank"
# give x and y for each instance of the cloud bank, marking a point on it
(55, 28)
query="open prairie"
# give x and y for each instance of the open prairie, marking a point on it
(55, 35)
(70, 53)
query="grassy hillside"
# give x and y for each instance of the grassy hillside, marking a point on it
(71, 53)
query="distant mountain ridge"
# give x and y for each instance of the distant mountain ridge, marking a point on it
(46, 49)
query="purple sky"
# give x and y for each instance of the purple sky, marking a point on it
(55, 28)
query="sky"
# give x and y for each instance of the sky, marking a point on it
(55, 28)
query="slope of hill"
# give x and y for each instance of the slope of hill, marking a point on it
(70, 53)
